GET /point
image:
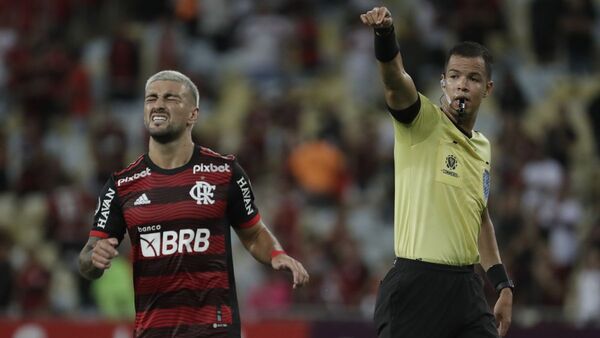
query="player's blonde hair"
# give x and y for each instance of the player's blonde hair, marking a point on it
(173, 75)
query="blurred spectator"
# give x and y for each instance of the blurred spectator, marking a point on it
(307, 32)
(70, 209)
(40, 172)
(6, 273)
(272, 296)
(364, 161)
(560, 138)
(511, 97)
(78, 88)
(544, 17)
(124, 62)
(587, 288)
(33, 280)
(286, 221)
(474, 20)
(262, 38)
(109, 144)
(550, 285)
(577, 20)
(360, 76)
(560, 219)
(170, 45)
(351, 273)
(3, 162)
(187, 12)
(320, 169)
(543, 178)
(594, 116)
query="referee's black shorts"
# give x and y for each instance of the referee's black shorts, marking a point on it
(424, 300)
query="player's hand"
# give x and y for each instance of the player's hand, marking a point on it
(378, 17)
(503, 311)
(103, 252)
(284, 261)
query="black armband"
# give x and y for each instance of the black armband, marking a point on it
(499, 278)
(386, 46)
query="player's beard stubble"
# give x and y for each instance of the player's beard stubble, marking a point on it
(165, 135)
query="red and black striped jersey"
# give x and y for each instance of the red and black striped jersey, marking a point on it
(179, 222)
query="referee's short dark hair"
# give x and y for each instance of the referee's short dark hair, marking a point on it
(472, 50)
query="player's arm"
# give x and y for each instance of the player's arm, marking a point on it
(260, 242)
(265, 248)
(108, 230)
(400, 91)
(492, 264)
(254, 234)
(96, 255)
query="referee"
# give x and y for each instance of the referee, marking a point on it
(441, 222)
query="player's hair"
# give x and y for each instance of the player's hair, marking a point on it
(173, 75)
(472, 50)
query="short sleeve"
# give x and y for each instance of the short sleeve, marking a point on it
(241, 209)
(424, 123)
(108, 218)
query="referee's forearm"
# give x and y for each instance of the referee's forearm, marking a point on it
(488, 247)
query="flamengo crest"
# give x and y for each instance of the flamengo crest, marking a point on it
(203, 193)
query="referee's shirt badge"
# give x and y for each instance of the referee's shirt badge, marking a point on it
(486, 185)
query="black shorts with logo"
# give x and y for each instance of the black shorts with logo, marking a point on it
(425, 300)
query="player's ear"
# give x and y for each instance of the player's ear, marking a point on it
(193, 116)
(489, 87)
(443, 81)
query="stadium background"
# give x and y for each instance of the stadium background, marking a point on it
(291, 87)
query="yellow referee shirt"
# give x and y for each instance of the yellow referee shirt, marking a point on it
(442, 184)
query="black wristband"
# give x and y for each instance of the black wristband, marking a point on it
(499, 278)
(386, 46)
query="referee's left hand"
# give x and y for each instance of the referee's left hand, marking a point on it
(503, 311)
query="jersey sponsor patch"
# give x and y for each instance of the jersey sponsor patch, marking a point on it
(246, 194)
(104, 209)
(169, 242)
(143, 173)
(211, 168)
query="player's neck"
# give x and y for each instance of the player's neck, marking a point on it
(171, 155)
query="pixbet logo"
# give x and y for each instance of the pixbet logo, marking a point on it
(143, 173)
(204, 168)
(167, 243)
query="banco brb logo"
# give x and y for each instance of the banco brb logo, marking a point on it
(170, 242)
(203, 193)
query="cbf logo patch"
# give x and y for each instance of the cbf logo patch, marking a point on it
(486, 185)
(451, 163)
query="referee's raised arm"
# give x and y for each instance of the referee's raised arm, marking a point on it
(400, 90)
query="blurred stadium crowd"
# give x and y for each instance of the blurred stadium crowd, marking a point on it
(291, 87)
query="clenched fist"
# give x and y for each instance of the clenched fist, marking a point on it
(378, 17)
(104, 251)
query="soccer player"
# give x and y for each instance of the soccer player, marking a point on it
(441, 222)
(177, 203)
